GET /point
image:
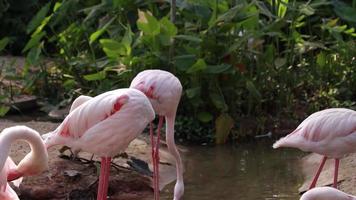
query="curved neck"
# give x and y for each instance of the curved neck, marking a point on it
(9, 135)
(172, 146)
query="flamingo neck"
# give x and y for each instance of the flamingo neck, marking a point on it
(37, 157)
(179, 187)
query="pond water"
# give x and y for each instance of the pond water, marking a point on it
(246, 172)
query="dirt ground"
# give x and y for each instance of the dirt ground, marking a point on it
(77, 180)
(347, 172)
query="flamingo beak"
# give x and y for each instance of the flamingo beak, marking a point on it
(14, 174)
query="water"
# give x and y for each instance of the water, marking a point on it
(246, 172)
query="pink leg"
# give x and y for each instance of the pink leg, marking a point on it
(336, 172)
(153, 144)
(104, 178)
(160, 124)
(312, 185)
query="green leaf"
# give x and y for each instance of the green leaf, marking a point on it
(112, 48)
(69, 84)
(33, 55)
(4, 110)
(37, 19)
(127, 40)
(344, 11)
(35, 39)
(307, 9)
(223, 125)
(96, 76)
(190, 38)
(168, 27)
(4, 42)
(218, 101)
(205, 117)
(280, 62)
(217, 69)
(321, 59)
(94, 36)
(148, 24)
(282, 8)
(253, 90)
(199, 65)
(193, 92)
(183, 62)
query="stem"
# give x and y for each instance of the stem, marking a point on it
(172, 47)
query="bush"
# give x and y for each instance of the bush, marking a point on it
(235, 59)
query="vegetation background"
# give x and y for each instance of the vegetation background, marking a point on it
(247, 66)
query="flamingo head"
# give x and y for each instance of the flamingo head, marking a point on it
(32, 164)
(178, 191)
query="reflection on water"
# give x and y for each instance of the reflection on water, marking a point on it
(246, 172)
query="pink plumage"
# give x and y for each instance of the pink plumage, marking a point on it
(330, 132)
(35, 162)
(104, 125)
(326, 193)
(6, 192)
(164, 91)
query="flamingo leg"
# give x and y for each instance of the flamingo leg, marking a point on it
(104, 178)
(153, 145)
(336, 172)
(312, 185)
(156, 160)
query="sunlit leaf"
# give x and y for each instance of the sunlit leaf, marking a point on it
(168, 27)
(199, 65)
(223, 125)
(96, 76)
(34, 41)
(4, 110)
(282, 8)
(94, 36)
(112, 48)
(147, 23)
(70, 83)
(321, 59)
(307, 9)
(37, 19)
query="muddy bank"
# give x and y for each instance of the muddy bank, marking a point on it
(72, 179)
(347, 172)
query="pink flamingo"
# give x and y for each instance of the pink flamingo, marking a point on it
(326, 193)
(164, 91)
(6, 192)
(104, 125)
(330, 132)
(33, 163)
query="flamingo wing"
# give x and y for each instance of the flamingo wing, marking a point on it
(79, 101)
(328, 124)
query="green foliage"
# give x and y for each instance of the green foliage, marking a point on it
(235, 59)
